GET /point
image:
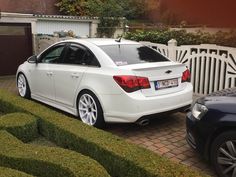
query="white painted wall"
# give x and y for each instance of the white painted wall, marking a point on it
(81, 29)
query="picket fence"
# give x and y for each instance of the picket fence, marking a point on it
(212, 67)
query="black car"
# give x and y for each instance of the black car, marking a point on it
(211, 130)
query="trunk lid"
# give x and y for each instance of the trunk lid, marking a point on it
(164, 77)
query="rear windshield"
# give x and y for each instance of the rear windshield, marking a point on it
(132, 54)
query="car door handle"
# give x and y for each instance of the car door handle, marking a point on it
(49, 73)
(75, 75)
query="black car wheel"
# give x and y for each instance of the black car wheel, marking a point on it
(223, 154)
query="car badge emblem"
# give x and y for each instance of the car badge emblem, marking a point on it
(168, 72)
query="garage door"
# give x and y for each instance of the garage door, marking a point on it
(81, 29)
(15, 46)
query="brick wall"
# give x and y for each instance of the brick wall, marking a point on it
(29, 6)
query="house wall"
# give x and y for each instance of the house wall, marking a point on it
(29, 6)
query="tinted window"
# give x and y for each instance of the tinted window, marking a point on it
(132, 54)
(81, 56)
(53, 55)
(91, 60)
(75, 55)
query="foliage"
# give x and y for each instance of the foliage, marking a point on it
(44, 161)
(33, 159)
(23, 126)
(183, 38)
(119, 157)
(108, 11)
(7, 172)
(72, 7)
(130, 9)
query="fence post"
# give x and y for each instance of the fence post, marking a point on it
(172, 46)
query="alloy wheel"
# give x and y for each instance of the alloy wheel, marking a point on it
(22, 85)
(226, 158)
(88, 109)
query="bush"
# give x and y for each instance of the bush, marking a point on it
(46, 161)
(119, 157)
(23, 126)
(183, 38)
(7, 172)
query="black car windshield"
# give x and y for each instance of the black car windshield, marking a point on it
(126, 54)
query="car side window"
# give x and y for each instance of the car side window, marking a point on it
(80, 55)
(91, 60)
(75, 55)
(53, 55)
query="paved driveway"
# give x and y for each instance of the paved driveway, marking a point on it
(165, 136)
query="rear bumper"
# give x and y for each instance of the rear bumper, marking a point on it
(131, 107)
(153, 116)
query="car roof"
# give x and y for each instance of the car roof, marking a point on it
(104, 41)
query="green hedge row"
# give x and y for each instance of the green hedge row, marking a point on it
(183, 38)
(119, 157)
(46, 161)
(7, 172)
(22, 126)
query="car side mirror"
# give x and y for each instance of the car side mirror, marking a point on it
(33, 59)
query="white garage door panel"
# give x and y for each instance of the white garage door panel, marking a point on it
(48, 27)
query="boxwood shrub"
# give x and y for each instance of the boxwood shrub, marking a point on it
(8, 172)
(23, 126)
(46, 161)
(183, 37)
(119, 157)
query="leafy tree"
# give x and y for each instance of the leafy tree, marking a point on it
(109, 11)
(72, 7)
(131, 9)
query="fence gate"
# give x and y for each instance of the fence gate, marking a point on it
(212, 67)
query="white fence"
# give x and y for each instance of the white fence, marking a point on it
(212, 67)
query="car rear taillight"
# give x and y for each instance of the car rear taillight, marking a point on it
(186, 76)
(132, 83)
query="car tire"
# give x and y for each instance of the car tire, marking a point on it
(89, 109)
(223, 154)
(23, 86)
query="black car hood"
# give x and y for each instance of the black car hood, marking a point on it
(224, 100)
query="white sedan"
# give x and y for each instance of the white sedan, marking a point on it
(105, 80)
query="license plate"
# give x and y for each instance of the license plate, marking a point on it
(162, 84)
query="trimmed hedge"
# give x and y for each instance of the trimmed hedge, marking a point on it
(119, 157)
(22, 126)
(7, 172)
(183, 37)
(46, 161)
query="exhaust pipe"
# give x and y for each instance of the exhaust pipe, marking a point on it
(143, 122)
(187, 110)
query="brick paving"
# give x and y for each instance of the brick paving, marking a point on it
(8, 83)
(164, 136)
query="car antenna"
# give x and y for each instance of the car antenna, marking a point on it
(119, 39)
